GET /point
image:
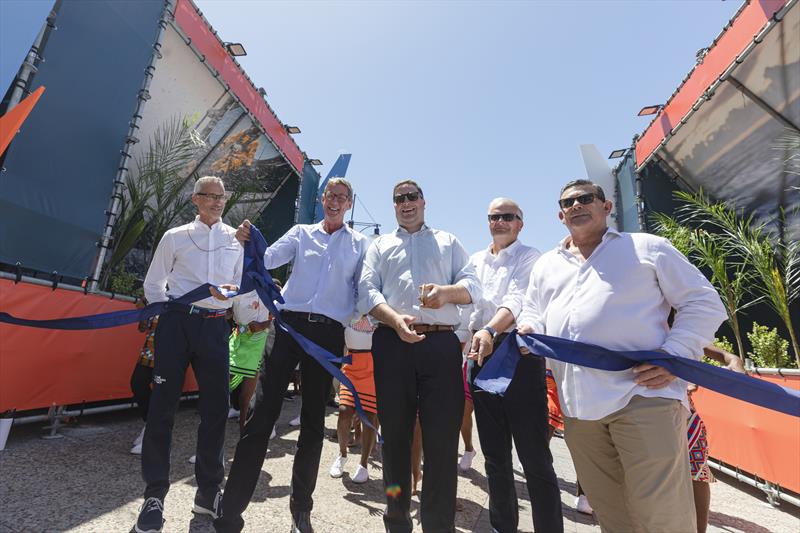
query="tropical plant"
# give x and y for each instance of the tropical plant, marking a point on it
(729, 276)
(769, 349)
(774, 264)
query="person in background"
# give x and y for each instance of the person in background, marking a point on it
(358, 339)
(142, 375)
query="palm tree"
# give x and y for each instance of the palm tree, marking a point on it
(775, 265)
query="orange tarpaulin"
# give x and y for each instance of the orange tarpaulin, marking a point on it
(11, 121)
(758, 441)
(43, 367)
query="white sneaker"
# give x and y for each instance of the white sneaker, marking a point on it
(138, 440)
(361, 475)
(137, 449)
(337, 468)
(273, 434)
(233, 413)
(294, 422)
(192, 459)
(466, 460)
(582, 505)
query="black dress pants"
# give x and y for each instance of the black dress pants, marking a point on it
(252, 447)
(520, 414)
(182, 339)
(141, 378)
(425, 377)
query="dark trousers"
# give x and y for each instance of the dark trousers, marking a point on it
(252, 446)
(141, 378)
(520, 414)
(182, 339)
(425, 377)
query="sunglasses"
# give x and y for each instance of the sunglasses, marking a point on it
(331, 196)
(213, 197)
(407, 197)
(505, 217)
(583, 199)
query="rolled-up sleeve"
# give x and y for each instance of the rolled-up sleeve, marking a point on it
(283, 250)
(370, 286)
(698, 308)
(518, 284)
(155, 282)
(463, 271)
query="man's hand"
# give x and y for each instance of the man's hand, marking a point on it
(652, 376)
(403, 330)
(736, 365)
(243, 232)
(482, 346)
(218, 295)
(524, 329)
(433, 296)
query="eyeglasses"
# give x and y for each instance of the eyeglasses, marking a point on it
(505, 217)
(213, 197)
(407, 197)
(330, 196)
(583, 199)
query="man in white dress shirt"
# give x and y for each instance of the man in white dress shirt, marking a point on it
(412, 282)
(504, 269)
(626, 431)
(320, 298)
(203, 251)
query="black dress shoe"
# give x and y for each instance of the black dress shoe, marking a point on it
(301, 522)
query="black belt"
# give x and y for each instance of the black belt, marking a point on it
(194, 310)
(314, 318)
(424, 328)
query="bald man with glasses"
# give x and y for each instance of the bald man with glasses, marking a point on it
(520, 415)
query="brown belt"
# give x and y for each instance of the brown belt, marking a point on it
(425, 328)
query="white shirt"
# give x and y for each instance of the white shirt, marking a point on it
(620, 298)
(191, 255)
(504, 278)
(248, 308)
(358, 334)
(397, 263)
(325, 272)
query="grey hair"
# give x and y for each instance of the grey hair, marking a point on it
(340, 181)
(601, 195)
(508, 201)
(198, 185)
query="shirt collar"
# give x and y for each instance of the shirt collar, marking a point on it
(199, 225)
(403, 231)
(511, 249)
(319, 227)
(610, 232)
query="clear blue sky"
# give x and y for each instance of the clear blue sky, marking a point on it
(472, 99)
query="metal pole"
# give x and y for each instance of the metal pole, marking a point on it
(28, 68)
(130, 140)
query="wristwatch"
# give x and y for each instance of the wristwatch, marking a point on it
(490, 329)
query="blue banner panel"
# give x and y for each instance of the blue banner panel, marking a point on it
(308, 194)
(59, 170)
(20, 23)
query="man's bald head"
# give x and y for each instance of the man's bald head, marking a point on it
(505, 222)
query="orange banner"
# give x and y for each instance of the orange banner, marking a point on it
(758, 441)
(43, 367)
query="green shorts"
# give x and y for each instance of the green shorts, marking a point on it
(246, 350)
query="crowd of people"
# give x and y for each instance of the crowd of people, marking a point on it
(418, 318)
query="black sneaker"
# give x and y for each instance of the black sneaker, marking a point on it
(209, 506)
(151, 516)
(301, 522)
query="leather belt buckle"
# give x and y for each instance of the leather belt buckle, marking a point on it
(314, 318)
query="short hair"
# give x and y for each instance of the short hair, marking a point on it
(508, 201)
(198, 185)
(577, 183)
(339, 181)
(408, 182)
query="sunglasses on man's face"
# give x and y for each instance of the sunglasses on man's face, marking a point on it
(213, 197)
(505, 217)
(583, 199)
(407, 197)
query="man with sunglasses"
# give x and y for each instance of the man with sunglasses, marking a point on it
(520, 415)
(626, 431)
(412, 282)
(202, 251)
(320, 298)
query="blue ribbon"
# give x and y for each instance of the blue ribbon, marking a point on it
(498, 371)
(255, 277)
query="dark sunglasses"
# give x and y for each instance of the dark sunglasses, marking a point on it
(505, 217)
(407, 197)
(583, 199)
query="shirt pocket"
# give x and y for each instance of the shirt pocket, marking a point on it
(227, 262)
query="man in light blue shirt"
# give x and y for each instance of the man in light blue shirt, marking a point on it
(320, 298)
(412, 282)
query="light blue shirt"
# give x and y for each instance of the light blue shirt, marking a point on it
(325, 271)
(396, 265)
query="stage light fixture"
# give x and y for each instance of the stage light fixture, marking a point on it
(291, 129)
(315, 162)
(616, 154)
(650, 110)
(235, 49)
